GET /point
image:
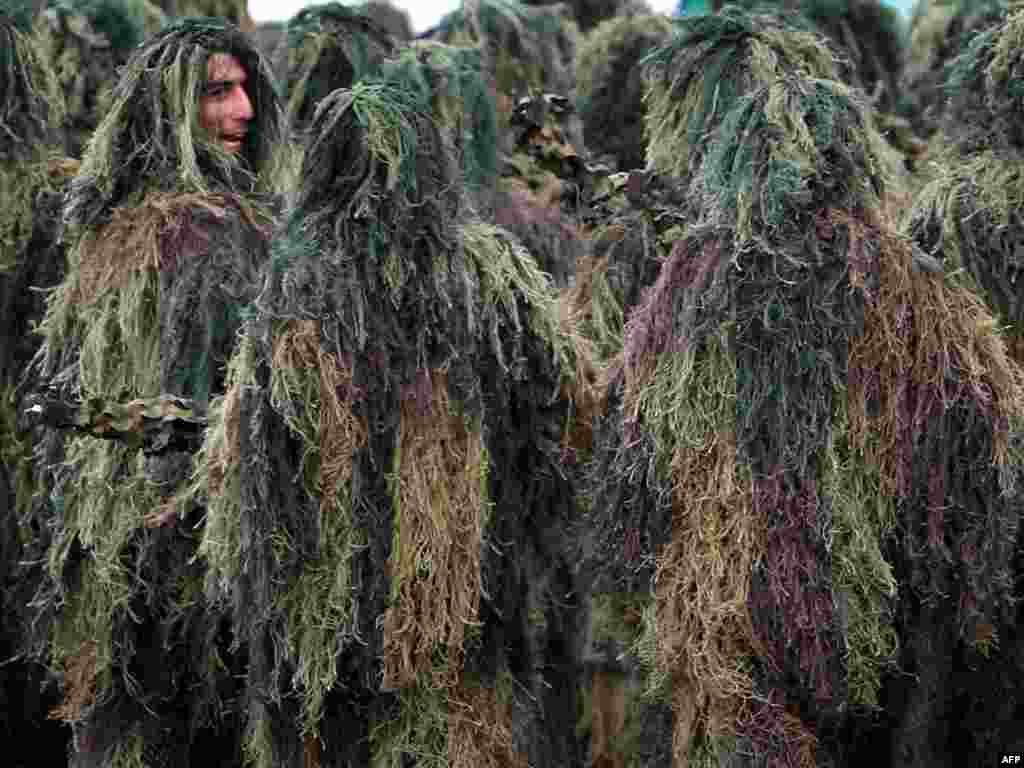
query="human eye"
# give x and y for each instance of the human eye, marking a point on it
(215, 89)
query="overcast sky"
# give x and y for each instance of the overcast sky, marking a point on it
(426, 13)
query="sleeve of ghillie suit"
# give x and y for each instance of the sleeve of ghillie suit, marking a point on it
(150, 306)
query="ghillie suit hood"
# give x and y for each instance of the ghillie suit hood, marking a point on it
(868, 35)
(449, 79)
(86, 41)
(235, 11)
(32, 176)
(526, 50)
(610, 85)
(389, 17)
(940, 31)
(326, 47)
(166, 237)
(789, 455)
(686, 104)
(692, 82)
(589, 13)
(407, 367)
(968, 216)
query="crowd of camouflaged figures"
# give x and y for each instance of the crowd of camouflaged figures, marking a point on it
(353, 413)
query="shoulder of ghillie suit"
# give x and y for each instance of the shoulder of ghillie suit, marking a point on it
(325, 47)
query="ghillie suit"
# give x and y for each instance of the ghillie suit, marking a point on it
(940, 30)
(326, 47)
(527, 57)
(86, 41)
(526, 50)
(610, 86)
(693, 81)
(808, 486)
(449, 78)
(589, 13)
(969, 218)
(235, 11)
(388, 500)
(32, 176)
(389, 17)
(867, 34)
(166, 232)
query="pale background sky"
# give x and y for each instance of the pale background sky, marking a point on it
(426, 13)
(423, 13)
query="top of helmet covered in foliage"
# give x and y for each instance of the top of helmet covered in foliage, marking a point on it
(709, 64)
(151, 136)
(326, 47)
(985, 86)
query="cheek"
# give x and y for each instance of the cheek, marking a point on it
(209, 116)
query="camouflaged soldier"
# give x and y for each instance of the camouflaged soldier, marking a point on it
(166, 227)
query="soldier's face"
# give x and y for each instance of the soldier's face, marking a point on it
(224, 106)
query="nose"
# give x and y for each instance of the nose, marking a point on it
(241, 106)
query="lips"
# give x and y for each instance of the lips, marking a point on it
(232, 141)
